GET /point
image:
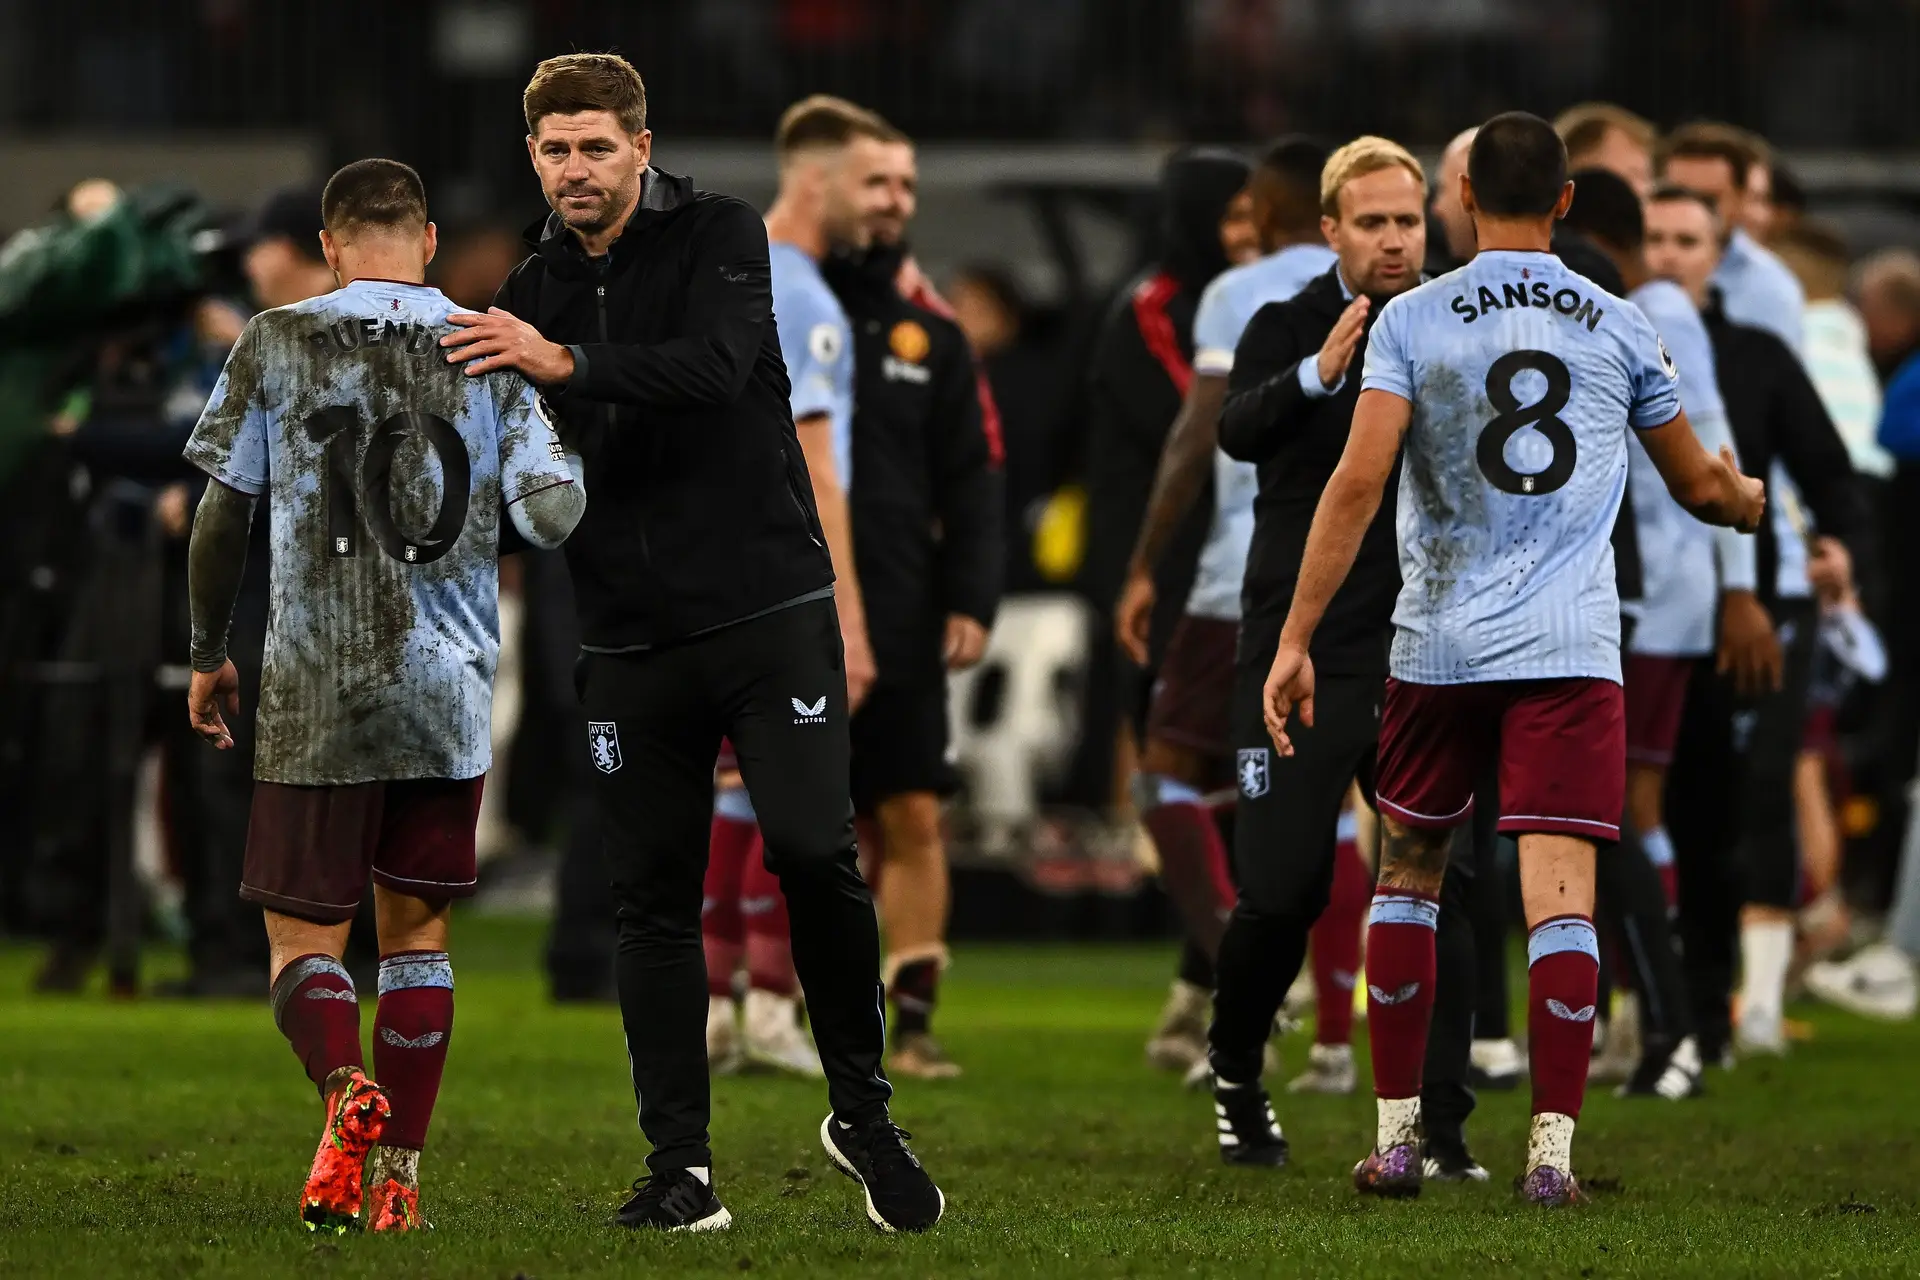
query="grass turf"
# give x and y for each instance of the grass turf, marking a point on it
(166, 1139)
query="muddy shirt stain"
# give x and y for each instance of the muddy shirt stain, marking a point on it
(386, 472)
(1524, 379)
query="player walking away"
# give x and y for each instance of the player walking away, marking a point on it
(387, 475)
(1140, 371)
(1682, 591)
(828, 151)
(1186, 755)
(705, 588)
(1512, 383)
(926, 508)
(1289, 401)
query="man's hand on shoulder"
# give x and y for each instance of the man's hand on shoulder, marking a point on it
(501, 340)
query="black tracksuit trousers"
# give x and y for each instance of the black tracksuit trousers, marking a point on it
(776, 686)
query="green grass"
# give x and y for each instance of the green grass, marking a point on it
(170, 1140)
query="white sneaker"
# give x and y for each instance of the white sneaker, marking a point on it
(1619, 1054)
(1329, 1070)
(1877, 982)
(1180, 1039)
(1761, 1032)
(1496, 1064)
(723, 1037)
(774, 1037)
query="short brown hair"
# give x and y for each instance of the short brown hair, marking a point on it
(1897, 272)
(826, 121)
(576, 82)
(1585, 126)
(382, 194)
(1364, 155)
(1709, 140)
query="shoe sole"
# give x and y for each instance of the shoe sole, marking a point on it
(845, 1166)
(365, 1132)
(717, 1221)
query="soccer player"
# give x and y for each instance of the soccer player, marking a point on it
(705, 587)
(829, 157)
(387, 476)
(1139, 372)
(1187, 753)
(926, 529)
(1512, 383)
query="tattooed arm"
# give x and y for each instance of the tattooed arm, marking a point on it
(216, 556)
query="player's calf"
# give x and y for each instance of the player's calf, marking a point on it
(1563, 972)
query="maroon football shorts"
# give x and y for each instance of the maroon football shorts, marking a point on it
(1560, 744)
(1193, 697)
(1656, 694)
(310, 849)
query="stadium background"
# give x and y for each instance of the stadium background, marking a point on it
(1042, 124)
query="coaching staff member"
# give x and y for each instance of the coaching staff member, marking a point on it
(1289, 405)
(926, 501)
(705, 594)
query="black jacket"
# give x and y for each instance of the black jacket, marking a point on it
(926, 493)
(1296, 441)
(700, 511)
(1775, 412)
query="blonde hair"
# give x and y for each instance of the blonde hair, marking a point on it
(1585, 126)
(1362, 156)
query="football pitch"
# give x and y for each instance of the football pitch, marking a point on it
(164, 1139)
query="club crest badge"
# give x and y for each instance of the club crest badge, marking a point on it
(1252, 768)
(603, 739)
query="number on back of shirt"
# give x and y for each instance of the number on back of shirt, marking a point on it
(339, 429)
(1542, 415)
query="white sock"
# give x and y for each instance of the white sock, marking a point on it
(1551, 1142)
(1766, 948)
(702, 1172)
(1399, 1122)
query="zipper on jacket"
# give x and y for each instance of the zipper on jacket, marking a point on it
(600, 303)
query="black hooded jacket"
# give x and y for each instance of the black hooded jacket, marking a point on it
(700, 511)
(926, 494)
(1141, 368)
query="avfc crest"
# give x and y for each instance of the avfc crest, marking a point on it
(1251, 765)
(603, 739)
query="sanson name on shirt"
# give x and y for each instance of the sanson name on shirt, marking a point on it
(1522, 293)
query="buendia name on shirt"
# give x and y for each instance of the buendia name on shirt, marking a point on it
(417, 338)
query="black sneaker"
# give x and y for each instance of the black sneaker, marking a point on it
(673, 1201)
(900, 1195)
(1448, 1160)
(1673, 1075)
(1249, 1134)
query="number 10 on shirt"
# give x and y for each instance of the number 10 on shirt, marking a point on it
(340, 429)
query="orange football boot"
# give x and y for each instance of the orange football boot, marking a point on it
(357, 1111)
(394, 1207)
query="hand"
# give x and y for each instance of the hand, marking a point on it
(1336, 353)
(1749, 649)
(1133, 616)
(501, 340)
(1752, 503)
(1830, 568)
(207, 693)
(1289, 685)
(861, 671)
(965, 644)
(173, 512)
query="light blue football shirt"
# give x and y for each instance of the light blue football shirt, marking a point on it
(1680, 585)
(1757, 289)
(1524, 377)
(817, 344)
(1226, 307)
(386, 473)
